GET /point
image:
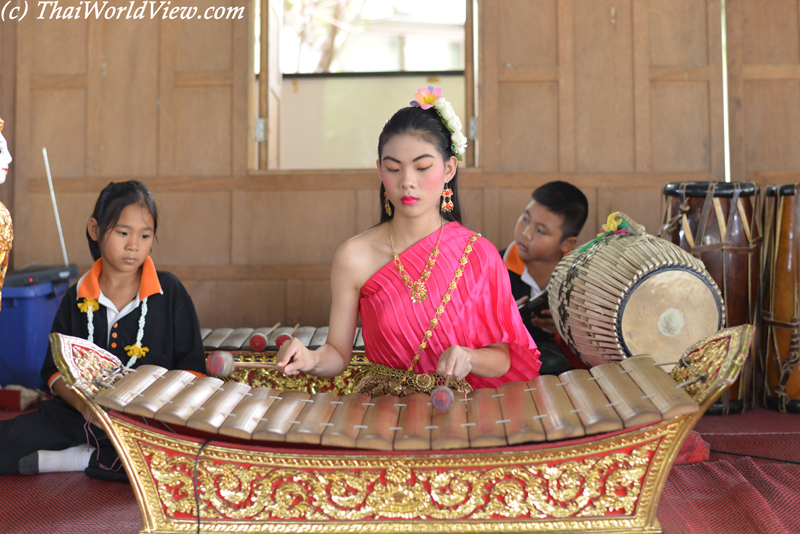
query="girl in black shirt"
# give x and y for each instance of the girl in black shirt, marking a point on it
(124, 306)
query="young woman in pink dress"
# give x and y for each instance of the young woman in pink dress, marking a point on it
(434, 298)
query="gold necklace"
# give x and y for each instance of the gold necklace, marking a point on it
(417, 288)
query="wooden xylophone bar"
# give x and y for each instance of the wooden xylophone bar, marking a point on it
(239, 338)
(577, 403)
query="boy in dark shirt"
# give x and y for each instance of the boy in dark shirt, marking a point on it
(547, 230)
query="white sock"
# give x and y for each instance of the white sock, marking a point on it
(72, 459)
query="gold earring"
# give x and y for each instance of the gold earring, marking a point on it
(386, 206)
(447, 204)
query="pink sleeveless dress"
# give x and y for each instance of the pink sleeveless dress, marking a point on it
(482, 310)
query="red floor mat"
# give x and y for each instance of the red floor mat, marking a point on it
(731, 495)
(739, 497)
(757, 432)
(66, 503)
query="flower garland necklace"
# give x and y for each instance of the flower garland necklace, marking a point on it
(417, 288)
(136, 351)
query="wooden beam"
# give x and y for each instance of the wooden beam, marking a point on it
(771, 72)
(527, 74)
(57, 81)
(642, 75)
(566, 87)
(203, 79)
(355, 180)
(679, 74)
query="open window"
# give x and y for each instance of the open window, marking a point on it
(328, 73)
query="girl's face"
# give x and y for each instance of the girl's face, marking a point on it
(125, 246)
(5, 159)
(414, 174)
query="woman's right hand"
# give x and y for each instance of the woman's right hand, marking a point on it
(294, 357)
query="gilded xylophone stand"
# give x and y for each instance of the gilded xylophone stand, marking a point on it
(609, 482)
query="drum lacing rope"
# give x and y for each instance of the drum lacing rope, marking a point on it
(565, 291)
(684, 208)
(784, 370)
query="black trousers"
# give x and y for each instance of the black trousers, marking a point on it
(55, 426)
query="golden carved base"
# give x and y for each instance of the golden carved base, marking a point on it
(610, 485)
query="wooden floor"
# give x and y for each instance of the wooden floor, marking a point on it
(729, 494)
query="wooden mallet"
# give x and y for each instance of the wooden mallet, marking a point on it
(221, 363)
(442, 397)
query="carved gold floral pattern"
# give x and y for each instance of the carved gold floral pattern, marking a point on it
(83, 363)
(6, 237)
(589, 487)
(716, 360)
(343, 384)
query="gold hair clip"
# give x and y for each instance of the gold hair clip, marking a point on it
(1, 124)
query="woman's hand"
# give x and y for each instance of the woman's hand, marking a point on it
(455, 363)
(491, 361)
(294, 357)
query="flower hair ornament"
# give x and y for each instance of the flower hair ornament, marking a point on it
(432, 98)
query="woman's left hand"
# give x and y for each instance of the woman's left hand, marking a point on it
(455, 362)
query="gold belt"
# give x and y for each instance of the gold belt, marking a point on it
(419, 382)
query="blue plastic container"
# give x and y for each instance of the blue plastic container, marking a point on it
(25, 322)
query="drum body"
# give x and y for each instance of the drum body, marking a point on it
(632, 294)
(781, 318)
(719, 223)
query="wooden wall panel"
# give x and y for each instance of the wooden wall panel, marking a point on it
(74, 210)
(527, 33)
(590, 228)
(603, 86)
(202, 131)
(680, 145)
(60, 45)
(194, 228)
(228, 303)
(367, 208)
(642, 205)
(205, 45)
(764, 65)
(472, 208)
(316, 304)
(127, 129)
(678, 33)
(772, 124)
(770, 32)
(58, 123)
(291, 227)
(528, 140)
(512, 204)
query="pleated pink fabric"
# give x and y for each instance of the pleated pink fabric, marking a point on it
(481, 311)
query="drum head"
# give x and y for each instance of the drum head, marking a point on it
(668, 311)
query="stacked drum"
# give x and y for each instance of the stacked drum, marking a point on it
(629, 293)
(781, 317)
(719, 223)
